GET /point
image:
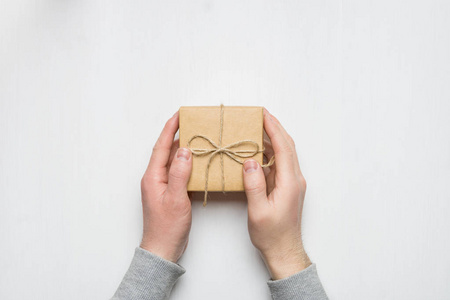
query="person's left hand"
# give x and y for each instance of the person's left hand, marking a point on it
(165, 202)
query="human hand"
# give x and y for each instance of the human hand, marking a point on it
(165, 202)
(275, 202)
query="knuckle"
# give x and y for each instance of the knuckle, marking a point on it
(294, 186)
(261, 219)
(253, 184)
(177, 174)
(276, 136)
(291, 141)
(286, 146)
(156, 147)
(145, 183)
(293, 146)
(147, 180)
(302, 182)
(167, 123)
(298, 185)
(255, 188)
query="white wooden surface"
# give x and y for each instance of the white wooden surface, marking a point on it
(362, 86)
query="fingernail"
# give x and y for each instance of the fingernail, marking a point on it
(183, 154)
(250, 166)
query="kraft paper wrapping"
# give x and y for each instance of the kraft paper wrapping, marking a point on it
(239, 123)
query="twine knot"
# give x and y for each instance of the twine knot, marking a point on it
(227, 150)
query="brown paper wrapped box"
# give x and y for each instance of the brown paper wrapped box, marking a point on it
(241, 128)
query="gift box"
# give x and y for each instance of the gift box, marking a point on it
(220, 138)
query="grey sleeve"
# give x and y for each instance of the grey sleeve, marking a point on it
(148, 277)
(304, 285)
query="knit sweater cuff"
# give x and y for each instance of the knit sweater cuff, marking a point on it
(148, 277)
(300, 286)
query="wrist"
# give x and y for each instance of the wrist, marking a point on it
(283, 264)
(160, 251)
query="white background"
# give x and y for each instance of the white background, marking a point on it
(362, 86)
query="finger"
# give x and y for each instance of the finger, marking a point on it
(161, 151)
(284, 154)
(254, 184)
(268, 154)
(290, 141)
(173, 151)
(270, 181)
(268, 151)
(179, 174)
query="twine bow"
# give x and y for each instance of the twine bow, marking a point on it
(227, 150)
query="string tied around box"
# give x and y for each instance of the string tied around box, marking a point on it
(217, 149)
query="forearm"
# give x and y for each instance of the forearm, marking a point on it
(148, 277)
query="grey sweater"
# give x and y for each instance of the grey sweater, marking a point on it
(152, 277)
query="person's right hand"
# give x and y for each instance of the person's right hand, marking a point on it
(275, 203)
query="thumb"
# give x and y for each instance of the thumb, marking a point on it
(179, 172)
(254, 183)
